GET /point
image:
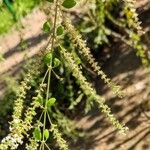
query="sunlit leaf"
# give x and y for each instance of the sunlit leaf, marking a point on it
(46, 134)
(56, 62)
(51, 102)
(37, 134)
(48, 58)
(46, 27)
(69, 3)
(60, 30)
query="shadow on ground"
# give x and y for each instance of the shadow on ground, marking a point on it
(134, 109)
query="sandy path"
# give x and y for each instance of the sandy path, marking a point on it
(10, 44)
(31, 33)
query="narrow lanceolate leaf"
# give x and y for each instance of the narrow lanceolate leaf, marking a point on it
(69, 3)
(37, 134)
(46, 134)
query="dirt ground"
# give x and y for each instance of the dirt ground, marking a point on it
(12, 50)
(123, 67)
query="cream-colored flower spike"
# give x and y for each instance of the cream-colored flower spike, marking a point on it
(19, 127)
(85, 51)
(58, 136)
(33, 145)
(132, 16)
(90, 92)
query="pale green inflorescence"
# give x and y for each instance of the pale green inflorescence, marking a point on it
(58, 136)
(33, 145)
(14, 137)
(19, 127)
(89, 91)
(84, 50)
(135, 30)
(132, 16)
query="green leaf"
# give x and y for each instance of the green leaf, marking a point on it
(46, 134)
(51, 102)
(48, 58)
(37, 134)
(46, 27)
(60, 30)
(56, 62)
(69, 3)
(51, 1)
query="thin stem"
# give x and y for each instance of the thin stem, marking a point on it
(47, 146)
(41, 116)
(50, 68)
(57, 76)
(49, 119)
(45, 76)
(41, 146)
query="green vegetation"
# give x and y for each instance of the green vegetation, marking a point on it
(19, 9)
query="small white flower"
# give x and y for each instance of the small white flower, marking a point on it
(16, 121)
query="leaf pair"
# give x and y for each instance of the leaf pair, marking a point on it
(38, 135)
(47, 28)
(48, 58)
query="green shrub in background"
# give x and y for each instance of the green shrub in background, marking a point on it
(6, 20)
(10, 12)
(56, 83)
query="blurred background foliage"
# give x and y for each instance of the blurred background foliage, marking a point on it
(12, 11)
